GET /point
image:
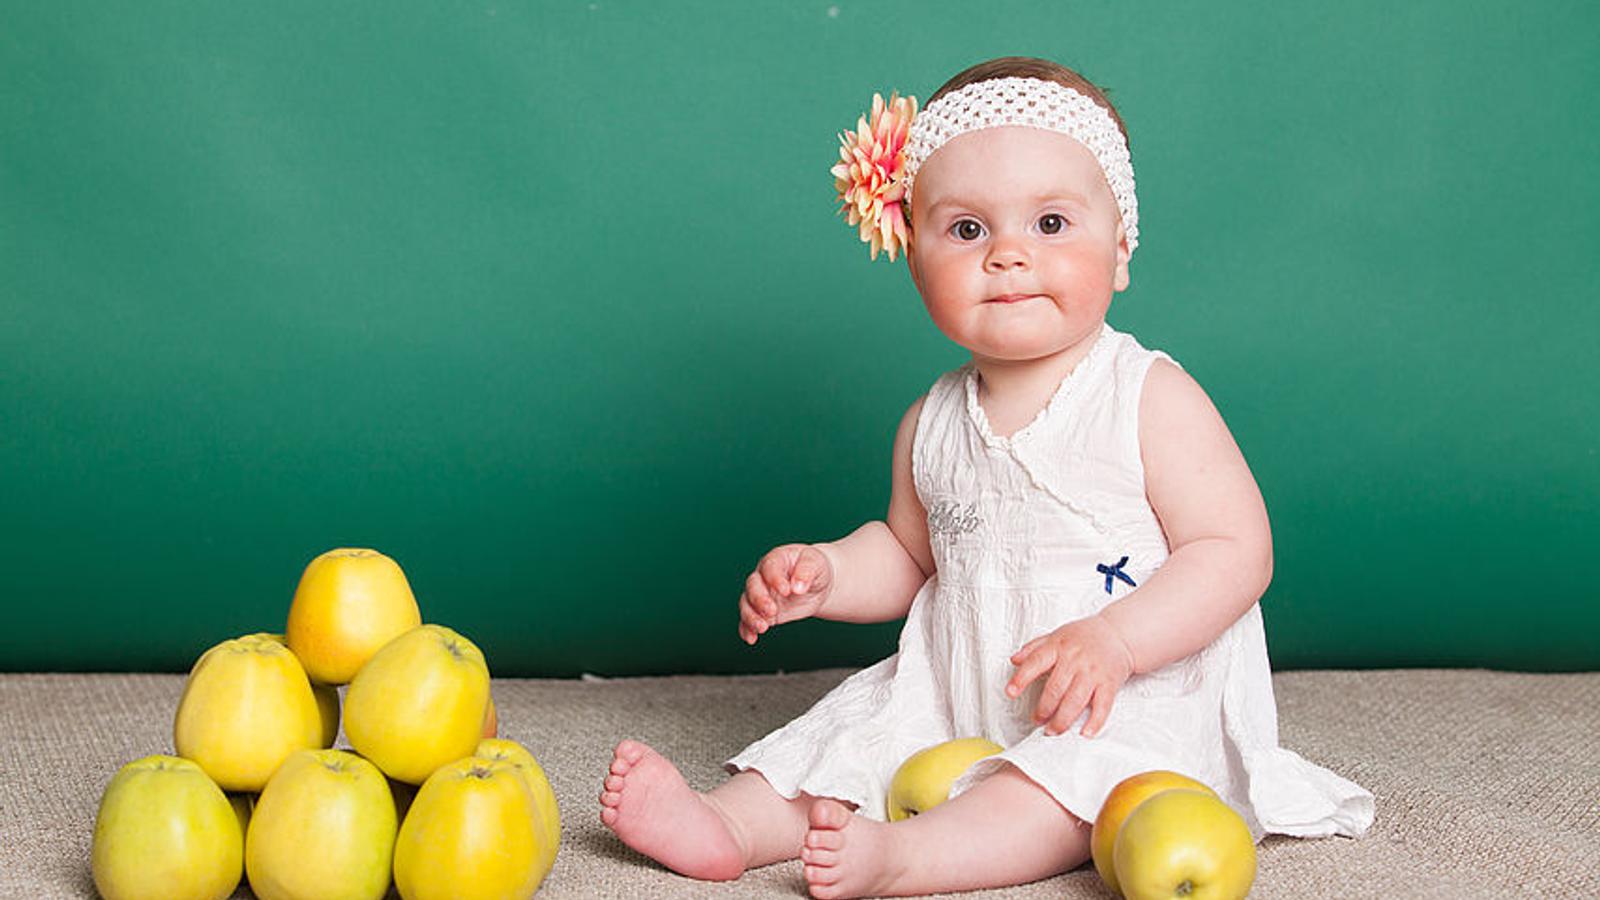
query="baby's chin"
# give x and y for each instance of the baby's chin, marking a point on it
(1025, 349)
(1013, 356)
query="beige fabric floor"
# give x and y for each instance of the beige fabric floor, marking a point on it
(1488, 783)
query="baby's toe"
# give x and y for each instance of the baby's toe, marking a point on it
(623, 762)
(631, 750)
(825, 840)
(818, 857)
(822, 876)
(829, 814)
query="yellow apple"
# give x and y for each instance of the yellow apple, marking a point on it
(1183, 843)
(349, 603)
(923, 780)
(473, 832)
(324, 827)
(246, 706)
(491, 721)
(544, 797)
(418, 703)
(1128, 794)
(165, 831)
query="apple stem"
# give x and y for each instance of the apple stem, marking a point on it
(1186, 888)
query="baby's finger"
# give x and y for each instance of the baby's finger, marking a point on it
(1099, 710)
(774, 571)
(1050, 697)
(808, 570)
(1029, 669)
(1027, 648)
(750, 624)
(756, 590)
(1072, 704)
(745, 633)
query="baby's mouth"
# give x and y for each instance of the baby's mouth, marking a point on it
(1011, 298)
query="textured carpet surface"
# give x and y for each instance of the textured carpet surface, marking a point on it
(1488, 783)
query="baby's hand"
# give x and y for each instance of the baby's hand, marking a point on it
(1087, 660)
(789, 583)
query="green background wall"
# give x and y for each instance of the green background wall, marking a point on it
(549, 302)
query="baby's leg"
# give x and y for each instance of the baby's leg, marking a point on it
(742, 824)
(1005, 830)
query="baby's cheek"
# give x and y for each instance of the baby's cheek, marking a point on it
(1089, 270)
(943, 304)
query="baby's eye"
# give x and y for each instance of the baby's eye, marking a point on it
(967, 230)
(1051, 223)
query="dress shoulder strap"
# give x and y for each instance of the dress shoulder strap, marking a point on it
(1123, 388)
(938, 424)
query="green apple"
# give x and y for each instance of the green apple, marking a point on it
(1119, 804)
(324, 826)
(923, 780)
(165, 831)
(1183, 843)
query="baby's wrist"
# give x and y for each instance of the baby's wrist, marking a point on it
(831, 554)
(1109, 617)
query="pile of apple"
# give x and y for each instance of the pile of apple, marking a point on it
(1159, 834)
(428, 796)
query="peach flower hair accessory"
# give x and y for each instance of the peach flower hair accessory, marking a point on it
(870, 174)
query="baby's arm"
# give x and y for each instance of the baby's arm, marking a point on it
(870, 575)
(1220, 562)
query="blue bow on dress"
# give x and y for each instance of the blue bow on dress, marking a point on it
(1115, 572)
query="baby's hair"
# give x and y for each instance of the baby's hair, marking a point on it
(1031, 67)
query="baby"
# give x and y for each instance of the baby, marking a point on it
(1073, 537)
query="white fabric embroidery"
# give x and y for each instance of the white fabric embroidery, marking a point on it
(1036, 103)
(1046, 505)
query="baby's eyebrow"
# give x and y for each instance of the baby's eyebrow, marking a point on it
(1061, 195)
(1047, 196)
(943, 202)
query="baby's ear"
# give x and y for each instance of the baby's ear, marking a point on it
(1119, 276)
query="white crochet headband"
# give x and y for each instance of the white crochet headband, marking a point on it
(1037, 103)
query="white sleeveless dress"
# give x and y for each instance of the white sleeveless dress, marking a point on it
(1027, 534)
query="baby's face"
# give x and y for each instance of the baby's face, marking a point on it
(1016, 243)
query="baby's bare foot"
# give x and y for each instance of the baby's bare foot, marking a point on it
(654, 811)
(847, 855)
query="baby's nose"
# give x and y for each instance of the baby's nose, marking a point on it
(1005, 258)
